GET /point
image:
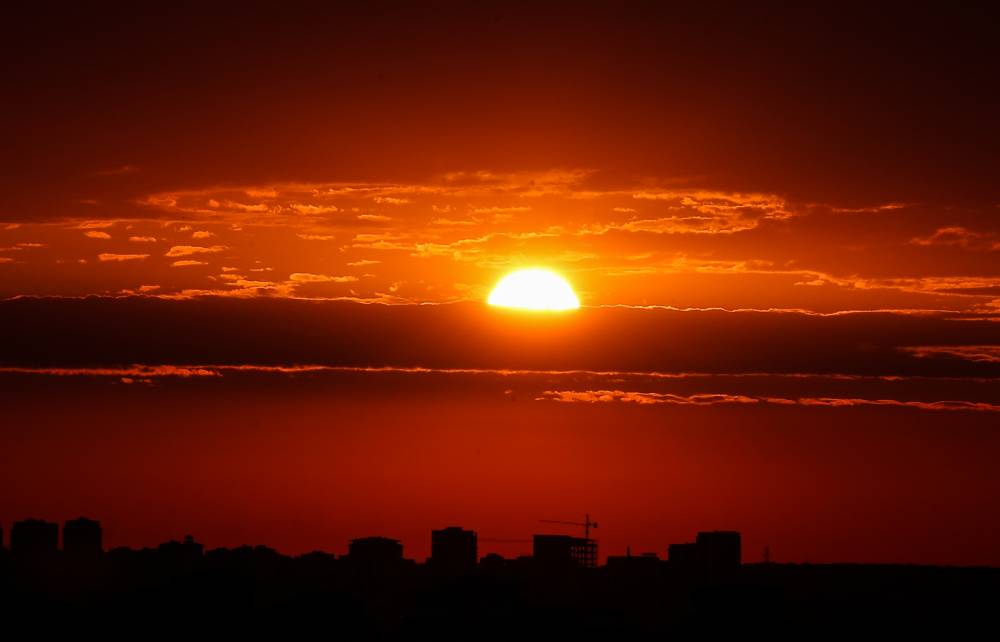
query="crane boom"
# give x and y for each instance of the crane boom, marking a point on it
(586, 523)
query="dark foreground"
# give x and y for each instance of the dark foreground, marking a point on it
(258, 590)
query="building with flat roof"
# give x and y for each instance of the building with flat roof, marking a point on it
(644, 566)
(712, 552)
(685, 556)
(375, 549)
(453, 551)
(721, 551)
(564, 550)
(34, 538)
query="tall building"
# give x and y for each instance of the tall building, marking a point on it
(83, 538)
(34, 538)
(564, 550)
(721, 551)
(453, 551)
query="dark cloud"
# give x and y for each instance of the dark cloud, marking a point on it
(139, 330)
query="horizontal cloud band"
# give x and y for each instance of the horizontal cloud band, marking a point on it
(102, 332)
(747, 388)
(711, 399)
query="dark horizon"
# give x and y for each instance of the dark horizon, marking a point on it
(37, 540)
(375, 588)
(83, 536)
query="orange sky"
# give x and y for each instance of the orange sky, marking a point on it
(310, 461)
(782, 223)
(827, 159)
(450, 240)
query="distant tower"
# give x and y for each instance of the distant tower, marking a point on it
(83, 538)
(767, 554)
(453, 551)
(34, 538)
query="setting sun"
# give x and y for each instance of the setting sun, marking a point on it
(534, 289)
(361, 319)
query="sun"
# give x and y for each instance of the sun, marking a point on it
(534, 289)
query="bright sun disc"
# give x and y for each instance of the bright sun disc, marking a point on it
(534, 289)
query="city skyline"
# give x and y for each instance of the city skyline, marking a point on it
(456, 545)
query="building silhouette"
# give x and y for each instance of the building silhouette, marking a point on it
(686, 557)
(453, 551)
(712, 552)
(376, 558)
(720, 550)
(374, 590)
(185, 553)
(564, 550)
(83, 538)
(375, 550)
(34, 538)
(644, 566)
(493, 562)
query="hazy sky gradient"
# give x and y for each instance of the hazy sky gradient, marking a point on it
(244, 253)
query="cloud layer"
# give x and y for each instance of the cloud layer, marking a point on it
(449, 239)
(121, 331)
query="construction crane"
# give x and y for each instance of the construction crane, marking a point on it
(587, 524)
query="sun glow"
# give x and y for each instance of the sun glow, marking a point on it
(534, 289)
